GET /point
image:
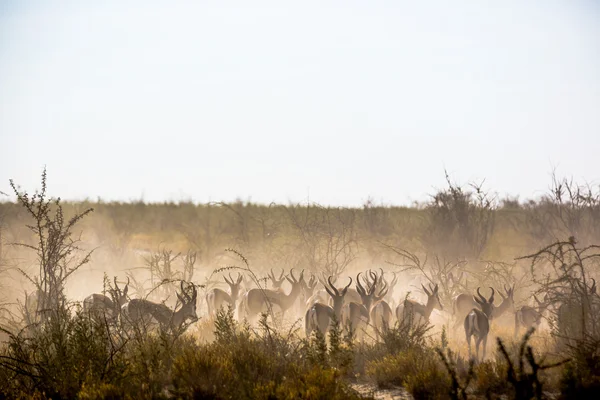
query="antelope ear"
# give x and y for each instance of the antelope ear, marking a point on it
(180, 298)
(125, 290)
(477, 300)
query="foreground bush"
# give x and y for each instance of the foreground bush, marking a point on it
(80, 357)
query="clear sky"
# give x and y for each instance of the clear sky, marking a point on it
(278, 101)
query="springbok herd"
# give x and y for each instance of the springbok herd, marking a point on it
(321, 302)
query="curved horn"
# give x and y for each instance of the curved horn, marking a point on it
(292, 275)
(239, 279)
(117, 285)
(282, 273)
(337, 293)
(359, 286)
(491, 300)
(375, 281)
(394, 279)
(345, 289)
(480, 295)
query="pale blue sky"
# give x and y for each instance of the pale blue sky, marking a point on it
(273, 101)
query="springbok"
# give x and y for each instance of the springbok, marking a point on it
(256, 301)
(381, 313)
(477, 322)
(531, 317)
(417, 313)
(101, 304)
(464, 303)
(357, 315)
(217, 297)
(144, 311)
(319, 316)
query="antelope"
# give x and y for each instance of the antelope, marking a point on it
(100, 303)
(321, 296)
(256, 301)
(530, 317)
(355, 315)
(464, 303)
(477, 322)
(275, 282)
(419, 313)
(382, 313)
(142, 310)
(319, 316)
(217, 297)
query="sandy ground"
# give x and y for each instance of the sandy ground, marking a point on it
(382, 394)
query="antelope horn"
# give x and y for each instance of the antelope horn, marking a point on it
(425, 289)
(491, 300)
(337, 293)
(116, 285)
(374, 285)
(183, 292)
(359, 286)
(239, 279)
(127, 282)
(480, 295)
(347, 286)
(502, 295)
(282, 272)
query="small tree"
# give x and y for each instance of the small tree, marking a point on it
(460, 222)
(56, 248)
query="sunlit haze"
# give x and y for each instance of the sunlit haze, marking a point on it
(272, 101)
